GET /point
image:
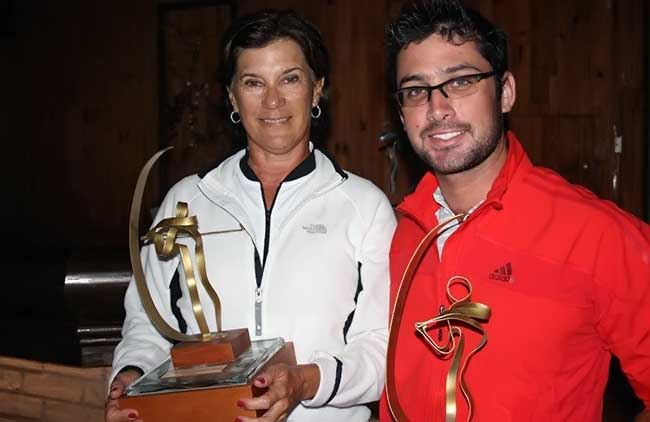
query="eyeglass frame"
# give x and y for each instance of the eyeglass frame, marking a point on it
(440, 86)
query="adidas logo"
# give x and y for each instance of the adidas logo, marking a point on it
(503, 273)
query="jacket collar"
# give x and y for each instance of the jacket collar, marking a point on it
(217, 184)
(303, 169)
(421, 206)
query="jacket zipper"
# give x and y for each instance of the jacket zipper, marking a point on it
(267, 235)
(259, 326)
(258, 311)
(260, 263)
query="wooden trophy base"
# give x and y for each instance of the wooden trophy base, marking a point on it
(224, 349)
(210, 404)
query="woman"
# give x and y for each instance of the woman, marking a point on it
(311, 263)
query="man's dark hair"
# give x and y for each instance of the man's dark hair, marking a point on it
(452, 20)
(262, 28)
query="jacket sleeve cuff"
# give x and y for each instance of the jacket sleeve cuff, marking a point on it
(132, 368)
(330, 378)
(116, 370)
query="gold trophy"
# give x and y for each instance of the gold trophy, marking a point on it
(206, 373)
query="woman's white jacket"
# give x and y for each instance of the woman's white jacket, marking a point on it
(322, 268)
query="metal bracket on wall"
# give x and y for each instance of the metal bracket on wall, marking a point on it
(618, 150)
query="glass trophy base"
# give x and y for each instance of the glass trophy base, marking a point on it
(205, 392)
(165, 378)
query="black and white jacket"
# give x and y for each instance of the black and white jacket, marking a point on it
(313, 270)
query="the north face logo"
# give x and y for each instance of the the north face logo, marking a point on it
(315, 228)
(503, 273)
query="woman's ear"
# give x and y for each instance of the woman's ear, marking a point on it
(318, 91)
(233, 101)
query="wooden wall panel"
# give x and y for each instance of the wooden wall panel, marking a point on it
(84, 116)
(630, 59)
(10, 169)
(579, 67)
(192, 110)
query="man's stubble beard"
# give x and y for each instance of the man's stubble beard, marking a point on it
(479, 151)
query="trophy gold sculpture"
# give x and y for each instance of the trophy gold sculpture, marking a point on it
(462, 313)
(208, 372)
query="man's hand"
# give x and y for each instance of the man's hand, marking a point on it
(112, 412)
(287, 386)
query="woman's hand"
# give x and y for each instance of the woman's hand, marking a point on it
(112, 412)
(287, 386)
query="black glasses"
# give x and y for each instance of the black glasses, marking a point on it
(461, 86)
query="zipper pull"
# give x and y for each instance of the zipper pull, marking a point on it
(258, 311)
(258, 295)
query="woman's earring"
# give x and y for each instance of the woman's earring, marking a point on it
(234, 117)
(316, 112)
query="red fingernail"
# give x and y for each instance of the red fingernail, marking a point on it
(132, 416)
(261, 379)
(238, 419)
(240, 403)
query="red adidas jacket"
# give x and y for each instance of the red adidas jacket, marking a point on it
(567, 277)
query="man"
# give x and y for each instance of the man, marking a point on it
(566, 276)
